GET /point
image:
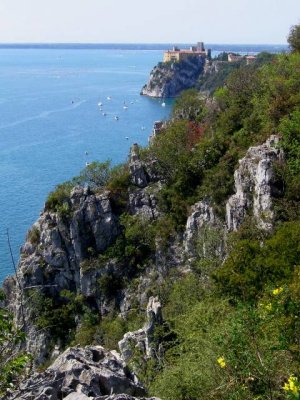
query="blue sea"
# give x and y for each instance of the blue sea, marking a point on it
(51, 124)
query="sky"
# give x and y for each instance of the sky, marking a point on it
(147, 21)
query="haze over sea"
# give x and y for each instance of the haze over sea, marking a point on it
(50, 118)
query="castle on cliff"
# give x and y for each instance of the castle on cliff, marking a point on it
(178, 55)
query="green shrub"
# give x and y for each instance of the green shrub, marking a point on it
(13, 363)
(290, 129)
(57, 314)
(110, 331)
(251, 266)
(34, 235)
(96, 174)
(189, 106)
(109, 284)
(58, 200)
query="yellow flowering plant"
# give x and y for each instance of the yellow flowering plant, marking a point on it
(221, 362)
(292, 387)
(277, 291)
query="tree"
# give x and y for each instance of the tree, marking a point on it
(95, 174)
(294, 38)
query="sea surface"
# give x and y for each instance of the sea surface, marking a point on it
(51, 124)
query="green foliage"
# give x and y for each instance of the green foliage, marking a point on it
(109, 284)
(279, 91)
(189, 106)
(215, 80)
(12, 361)
(57, 315)
(250, 267)
(96, 174)
(294, 38)
(227, 351)
(111, 330)
(290, 129)
(139, 235)
(58, 200)
(34, 235)
(119, 178)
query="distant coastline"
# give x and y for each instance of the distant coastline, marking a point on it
(251, 48)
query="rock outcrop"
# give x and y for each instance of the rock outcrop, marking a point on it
(201, 224)
(62, 253)
(255, 186)
(53, 255)
(137, 169)
(169, 79)
(142, 339)
(82, 373)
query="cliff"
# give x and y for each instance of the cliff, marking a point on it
(57, 254)
(169, 79)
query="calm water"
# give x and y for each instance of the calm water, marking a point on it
(49, 118)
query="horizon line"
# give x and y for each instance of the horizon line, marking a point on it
(132, 43)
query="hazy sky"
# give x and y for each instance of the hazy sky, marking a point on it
(147, 21)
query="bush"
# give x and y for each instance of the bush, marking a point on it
(189, 106)
(34, 235)
(12, 361)
(290, 129)
(95, 174)
(58, 200)
(57, 314)
(250, 267)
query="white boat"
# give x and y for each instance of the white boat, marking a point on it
(116, 118)
(108, 98)
(163, 104)
(100, 104)
(104, 114)
(126, 137)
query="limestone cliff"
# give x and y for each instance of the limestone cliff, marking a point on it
(61, 253)
(255, 186)
(169, 79)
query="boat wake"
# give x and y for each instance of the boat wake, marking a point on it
(43, 114)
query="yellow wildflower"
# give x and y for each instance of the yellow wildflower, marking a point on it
(277, 291)
(292, 385)
(221, 362)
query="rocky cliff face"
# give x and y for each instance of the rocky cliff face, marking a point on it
(59, 253)
(169, 79)
(57, 257)
(255, 186)
(82, 374)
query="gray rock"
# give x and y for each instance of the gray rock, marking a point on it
(137, 169)
(142, 339)
(52, 262)
(81, 373)
(144, 202)
(202, 217)
(169, 79)
(253, 184)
